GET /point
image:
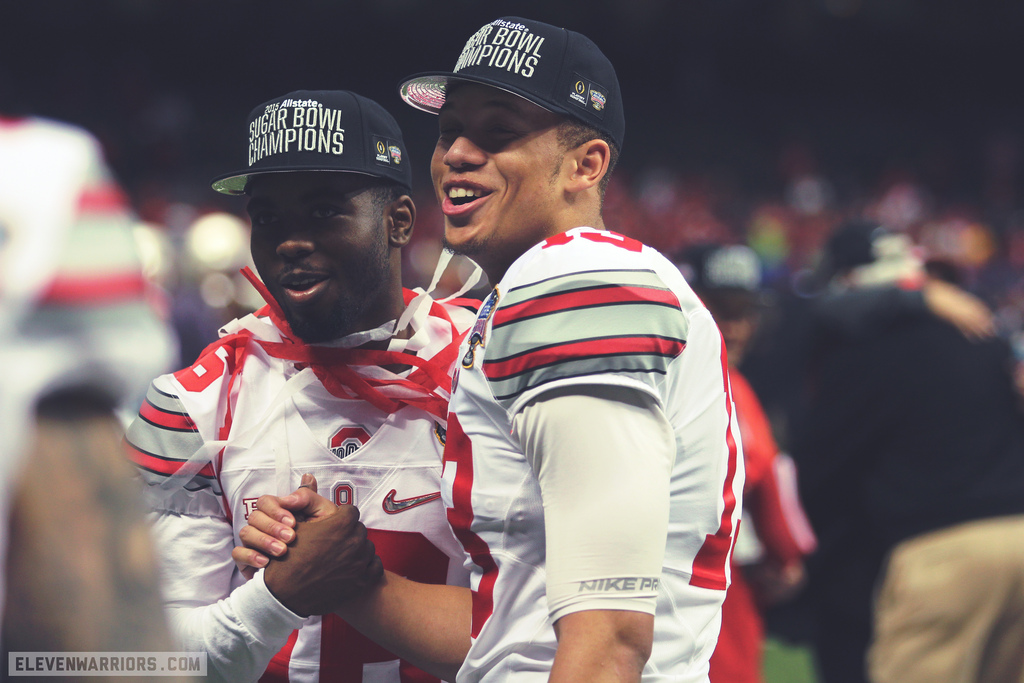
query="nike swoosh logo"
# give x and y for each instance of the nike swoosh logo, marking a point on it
(392, 506)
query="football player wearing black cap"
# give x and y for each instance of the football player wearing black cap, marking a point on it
(343, 374)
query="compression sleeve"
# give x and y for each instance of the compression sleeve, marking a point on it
(603, 457)
(240, 629)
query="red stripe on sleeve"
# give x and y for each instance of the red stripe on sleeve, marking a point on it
(95, 290)
(102, 198)
(600, 296)
(498, 370)
(161, 465)
(167, 420)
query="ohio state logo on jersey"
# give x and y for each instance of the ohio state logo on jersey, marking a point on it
(347, 441)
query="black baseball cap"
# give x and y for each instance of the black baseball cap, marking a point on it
(557, 69)
(321, 130)
(726, 277)
(709, 267)
(851, 244)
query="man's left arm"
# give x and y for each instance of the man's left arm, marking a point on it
(591, 448)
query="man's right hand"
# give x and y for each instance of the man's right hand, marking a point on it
(319, 563)
(272, 525)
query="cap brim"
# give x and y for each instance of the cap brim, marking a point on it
(235, 183)
(427, 91)
(231, 184)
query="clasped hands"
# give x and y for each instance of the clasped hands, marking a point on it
(317, 554)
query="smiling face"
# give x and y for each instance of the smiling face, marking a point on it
(496, 171)
(328, 250)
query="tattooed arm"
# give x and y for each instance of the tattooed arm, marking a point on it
(81, 572)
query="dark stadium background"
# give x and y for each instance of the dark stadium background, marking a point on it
(713, 86)
(731, 100)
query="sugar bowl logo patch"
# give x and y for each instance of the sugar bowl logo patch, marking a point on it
(396, 154)
(476, 337)
(347, 441)
(386, 152)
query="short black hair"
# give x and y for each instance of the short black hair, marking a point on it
(572, 133)
(384, 193)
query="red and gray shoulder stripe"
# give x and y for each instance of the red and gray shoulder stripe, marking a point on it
(99, 263)
(581, 324)
(163, 437)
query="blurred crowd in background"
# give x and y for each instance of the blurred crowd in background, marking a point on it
(748, 121)
(196, 250)
(760, 122)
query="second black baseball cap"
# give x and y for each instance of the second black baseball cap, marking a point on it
(557, 69)
(708, 267)
(321, 130)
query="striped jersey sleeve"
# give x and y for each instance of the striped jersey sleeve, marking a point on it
(619, 326)
(72, 290)
(160, 441)
(100, 262)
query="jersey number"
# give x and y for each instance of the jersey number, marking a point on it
(204, 372)
(627, 243)
(343, 650)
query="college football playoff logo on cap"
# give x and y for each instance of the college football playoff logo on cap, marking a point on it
(386, 152)
(380, 147)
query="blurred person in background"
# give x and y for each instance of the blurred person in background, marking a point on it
(79, 339)
(775, 536)
(911, 455)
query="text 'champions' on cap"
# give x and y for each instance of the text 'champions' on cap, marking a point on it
(557, 69)
(321, 130)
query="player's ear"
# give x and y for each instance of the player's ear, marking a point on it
(400, 216)
(588, 164)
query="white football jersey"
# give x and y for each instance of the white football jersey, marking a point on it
(241, 423)
(590, 307)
